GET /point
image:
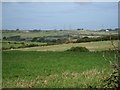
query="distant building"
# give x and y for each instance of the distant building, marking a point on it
(106, 30)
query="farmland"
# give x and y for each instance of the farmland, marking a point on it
(18, 44)
(66, 45)
(24, 39)
(31, 34)
(92, 46)
(40, 59)
(54, 69)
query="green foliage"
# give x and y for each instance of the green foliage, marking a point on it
(112, 80)
(34, 39)
(19, 44)
(78, 49)
(102, 38)
(16, 38)
(69, 35)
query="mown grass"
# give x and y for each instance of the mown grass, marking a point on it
(54, 69)
(92, 46)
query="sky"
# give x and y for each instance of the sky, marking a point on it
(60, 0)
(59, 15)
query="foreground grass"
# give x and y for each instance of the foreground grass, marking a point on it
(54, 69)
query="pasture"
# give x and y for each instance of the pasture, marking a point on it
(29, 34)
(92, 46)
(45, 65)
(6, 44)
(31, 69)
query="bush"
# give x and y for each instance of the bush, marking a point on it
(102, 38)
(34, 39)
(78, 49)
(16, 38)
(87, 39)
(111, 81)
(31, 45)
(3, 48)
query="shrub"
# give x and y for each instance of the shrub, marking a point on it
(3, 48)
(34, 39)
(22, 43)
(4, 38)
(16, 38)
(111, 81)
(78, 49)
(31, 45)
(102, 38)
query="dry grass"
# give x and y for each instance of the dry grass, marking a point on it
(75, 79)
(92, 46)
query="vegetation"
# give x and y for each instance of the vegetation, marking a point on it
(6, 44)
(111, 81)
(78, 49)
(73, 59)
(42, 70)
(92, 46)
(44, 33)
(58, 37)
(102, 38)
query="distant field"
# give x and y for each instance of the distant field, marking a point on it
(29, 69)
(16, 44)
(92, 46)
(27, 34)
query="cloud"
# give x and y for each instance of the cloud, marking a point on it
(83, 3)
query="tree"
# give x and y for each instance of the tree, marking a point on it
(17, 29)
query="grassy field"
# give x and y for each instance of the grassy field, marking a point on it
(55, 69)
(92, 46)
(16, 44)
(52, 66)
(25, 34)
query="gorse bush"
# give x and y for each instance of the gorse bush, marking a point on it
(112, 81)
(78, 49)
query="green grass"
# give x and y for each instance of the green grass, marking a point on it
(0, 69)
(15, 44)
(54, 69)
(6, 45)
(32, 67)
(92, 46)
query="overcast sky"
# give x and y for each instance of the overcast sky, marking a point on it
(58, 15)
